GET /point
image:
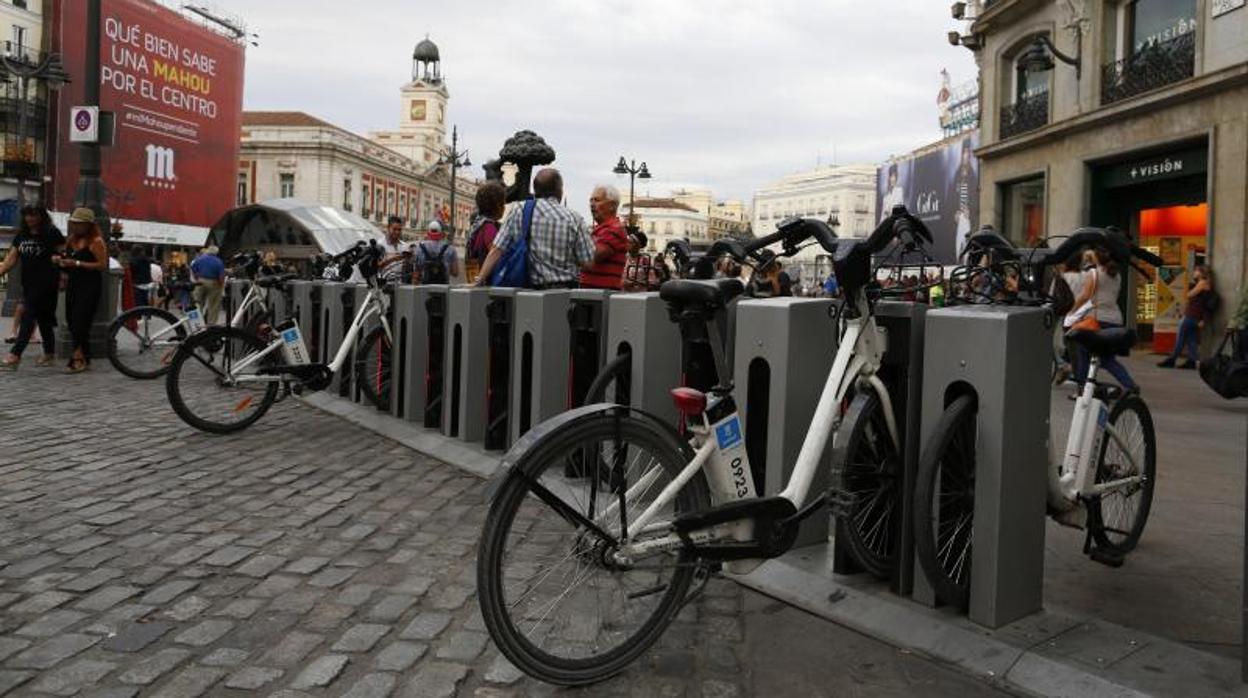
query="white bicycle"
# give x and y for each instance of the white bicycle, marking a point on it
(223, 379)
(578, 575)
(1102, 482)
(142, 341)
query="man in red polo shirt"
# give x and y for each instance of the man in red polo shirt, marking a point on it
(610, 242)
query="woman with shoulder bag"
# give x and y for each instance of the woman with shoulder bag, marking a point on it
(1194, 314)
(1096, 308)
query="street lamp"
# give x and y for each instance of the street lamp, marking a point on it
(19, 63)
(629, 167)
(1038, 57)
(456, 160)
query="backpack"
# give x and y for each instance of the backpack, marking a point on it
(433, 269)
(1221, 372)
(1063, 296)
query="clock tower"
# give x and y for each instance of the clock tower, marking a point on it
(422, 118)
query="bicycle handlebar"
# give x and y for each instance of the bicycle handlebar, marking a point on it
(1117, 244)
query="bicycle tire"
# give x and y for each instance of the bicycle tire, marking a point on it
(504, 519)
(373, 368)
(871, 472)
(207, 344)
(1124, 540)
(615, 372)
(949, 456)
(121, 324)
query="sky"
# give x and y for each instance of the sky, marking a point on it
(724, 94)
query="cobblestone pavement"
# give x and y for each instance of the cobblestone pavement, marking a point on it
(308, 557)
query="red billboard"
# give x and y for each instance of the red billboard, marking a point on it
(176, 89)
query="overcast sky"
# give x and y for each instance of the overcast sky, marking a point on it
(727, 94)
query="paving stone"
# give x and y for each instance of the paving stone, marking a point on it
(307, 565)
(355, 594)
(399, 656)
(113, 692)
(426, 626)
(361, 638)
(168, 591)
(51, 652)
(51, 623)
(261, 565)
(300, 601)
(107, 597)
(206, 633)
(293, 648)
(228, 556)
(91, 580)
(71, 678)
(226, 656)
(11, 645)
(253, 678)
(502, 671)
(155, 666)
(135, 636)
(372, 686)
(462, 646)
(720, 689)
(332, 577)
(451, 597)
(435, 680)
(41, 602)
(274, 586)
(241, 609)
(321, 672)
(190, 682)
(188, 608)
(10, 680)
(357, 532)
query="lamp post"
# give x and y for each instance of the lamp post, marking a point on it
(1038, 57)
(630, 168)
(18, 62)
(456, 160)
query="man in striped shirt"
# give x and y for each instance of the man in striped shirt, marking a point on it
(610, 241)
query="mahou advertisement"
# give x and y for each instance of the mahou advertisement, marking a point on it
(177, 91)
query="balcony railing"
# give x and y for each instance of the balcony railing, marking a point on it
(1149, 68)
(1027, 114)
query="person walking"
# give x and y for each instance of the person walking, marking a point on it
(559, 242)
(141, 276)
(85, 260)
(1194, 313)
(1101, 285)
(209, 275)
(491, 204)
(34, 246)
(436, 261)
(396, 255)
(610, 241)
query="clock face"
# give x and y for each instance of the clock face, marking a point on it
(418, 110)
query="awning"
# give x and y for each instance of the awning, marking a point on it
(291, 223)
(149, 232)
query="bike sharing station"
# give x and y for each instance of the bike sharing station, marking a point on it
(544, 349)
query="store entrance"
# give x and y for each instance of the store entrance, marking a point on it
(1161, 199)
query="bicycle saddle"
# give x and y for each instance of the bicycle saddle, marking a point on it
(712, 293)
(1112, 340)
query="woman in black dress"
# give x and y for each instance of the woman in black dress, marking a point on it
(37, 241)
(85, 260)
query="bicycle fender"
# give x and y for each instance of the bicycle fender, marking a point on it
(518, 459)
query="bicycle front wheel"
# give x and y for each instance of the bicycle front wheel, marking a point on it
(870, 473)
(1117, 519)
(556, 601)
(615, 374)
(143, 341)
(372, 368)
(207, 382)
(944, 503)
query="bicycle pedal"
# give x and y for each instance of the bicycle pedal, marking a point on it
(1107, 557)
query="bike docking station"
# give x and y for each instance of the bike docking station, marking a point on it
(306, 310)
(500, 343)
(1000, 355)
(588, 313)
(467, 340)
(539, 374)
(337, 300)
(422, 372)
(783, 351)
(358, 294)
(641, 328)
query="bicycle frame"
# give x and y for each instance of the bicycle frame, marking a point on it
(256, 296)
(858, 358)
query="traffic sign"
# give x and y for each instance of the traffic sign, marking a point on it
(84, 124)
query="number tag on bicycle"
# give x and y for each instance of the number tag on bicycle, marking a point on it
(293, 349)
(731, 479)
(195, 319)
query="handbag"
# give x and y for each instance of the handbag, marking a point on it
(1226, 376)
(513, 269)
(1084, 318)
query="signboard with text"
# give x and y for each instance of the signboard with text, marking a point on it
(176, 89)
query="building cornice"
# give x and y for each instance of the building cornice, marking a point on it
(252, 149)
(1179, 92)
(1000, 11)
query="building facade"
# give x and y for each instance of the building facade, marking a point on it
(25, 145)
(293, 155)
(846, 193)
(1147, 131)
(666, 219)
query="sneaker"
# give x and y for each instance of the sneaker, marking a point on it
(1188, 365)
(45, 360)
(1168, 363)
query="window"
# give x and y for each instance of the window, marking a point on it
(242, 199)
(1152, 22)
(364, 201)
(19, 39)
(286, 185)
(346, 194)
(1023, 211)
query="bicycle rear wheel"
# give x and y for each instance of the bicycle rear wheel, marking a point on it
(555, 601)
(142, 342)
(871, 473)
(372, 368)
(203, 386)
(944, 503)
(1117, 519)
(615, 374)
